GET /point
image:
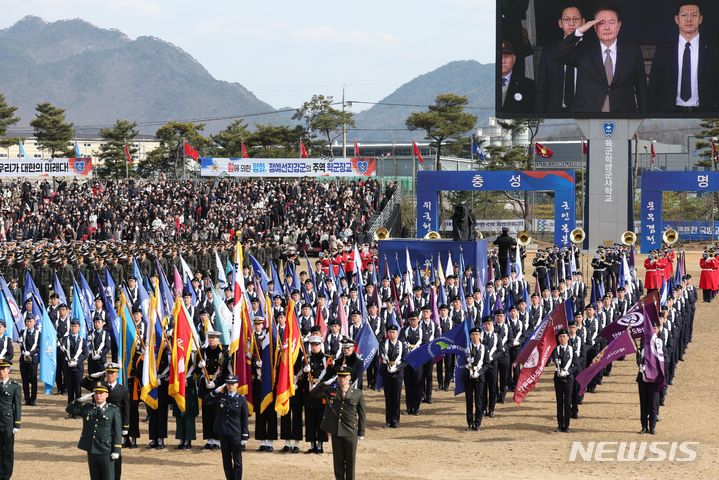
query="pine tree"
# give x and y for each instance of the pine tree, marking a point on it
(51, 130)
(112, 150)
(7, 118)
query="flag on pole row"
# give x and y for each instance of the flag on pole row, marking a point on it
(189, 151)
(622, 345)
(181, 350)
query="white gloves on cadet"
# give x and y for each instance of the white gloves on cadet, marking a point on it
(15, 430)
(201, 364)
(97, 374)
(85, 398)
(72, 364)
(306, 369)
(114, 456)
(219, 389)
(210, 384)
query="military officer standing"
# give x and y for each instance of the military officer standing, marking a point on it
(344, 419)
(29, 360)
(230, 425)
(565, 361)
(474, 379)
(391, 353)
(10, 410)
(101, 434)
(75, 351)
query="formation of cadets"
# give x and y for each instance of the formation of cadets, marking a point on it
(495, 339)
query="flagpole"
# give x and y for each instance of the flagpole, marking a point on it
(127, 166)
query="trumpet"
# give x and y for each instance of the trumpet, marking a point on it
(523, 238)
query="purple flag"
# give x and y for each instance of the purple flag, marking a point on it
(653, 355)
(635, 317)
(622, 345)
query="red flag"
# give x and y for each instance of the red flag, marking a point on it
(244, 151)
(181, 348)
(303, 150)
(585, 148)
(416, 152)
(128, 157)
(357, 150)
(542, 151)
(191, 152)
(654, 150)
(534, 366)
(321, 322)
(289, 351)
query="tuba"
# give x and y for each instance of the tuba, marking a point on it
(433, 235)
(381, 234)
(670, 236)
(577, 235)
(523, 238)
(629, 238)
(480, 236)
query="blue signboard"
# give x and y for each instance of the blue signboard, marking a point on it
(429, 184)
(653, 185)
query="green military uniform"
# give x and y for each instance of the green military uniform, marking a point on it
(345, 420)
(101, 434)
(9, 421)
(185, 421)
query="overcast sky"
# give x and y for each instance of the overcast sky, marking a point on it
(285, 51)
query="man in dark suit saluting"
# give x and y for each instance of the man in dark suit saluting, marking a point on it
(611, 75)
(517, 90)
(684, 74)
(555, 81)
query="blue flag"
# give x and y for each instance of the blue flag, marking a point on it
(453, 342)
(367, 345)
(48, 352)
(260, 272)
(57, 288)
(13, 307)
(78, 312)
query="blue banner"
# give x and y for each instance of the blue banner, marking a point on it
(430, 183)
(426, 253)
(653, 184)
(453, 342)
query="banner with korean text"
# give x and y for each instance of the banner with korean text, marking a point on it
(288, 167)
(45, 167)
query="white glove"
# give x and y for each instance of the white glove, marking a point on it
(360, 438)
(306, 369)
(72, 364)
(243, 442)
(259, 363)
(85, 398)
(96, 357)
(201, 364)
(642, 367)
(15, 430)
(210, 384)
(97, 374)
(159, 381)
(331, 380)
(124, 433)
(114, 456)
(563, 373)
(219, 389)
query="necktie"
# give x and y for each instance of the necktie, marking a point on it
(685, 91)
(504, 81)
(568, 86)
(609, 71)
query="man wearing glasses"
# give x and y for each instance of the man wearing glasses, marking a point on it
(556, 82)
(684, 71)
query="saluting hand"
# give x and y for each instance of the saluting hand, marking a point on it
(585, 28)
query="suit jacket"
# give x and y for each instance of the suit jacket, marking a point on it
(664, 77)
(520, 95)
(344, 415)
(628, 90)
(550, 81)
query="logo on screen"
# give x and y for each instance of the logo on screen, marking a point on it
(609, 128)
(79, 166)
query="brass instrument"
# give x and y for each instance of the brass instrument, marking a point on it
(602, 257)
(433, 235)
(381, 234)
(577, 235)
(480, 236)
(523, 238)
(670, 236)
(629, 238)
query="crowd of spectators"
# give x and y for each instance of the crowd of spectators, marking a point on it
(306, 213)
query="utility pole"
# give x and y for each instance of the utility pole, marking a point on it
(344, 127)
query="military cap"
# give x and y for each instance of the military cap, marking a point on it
(231, 379)
(100, 386)
(344, 371)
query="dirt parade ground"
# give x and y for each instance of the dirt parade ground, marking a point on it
(519, 442)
